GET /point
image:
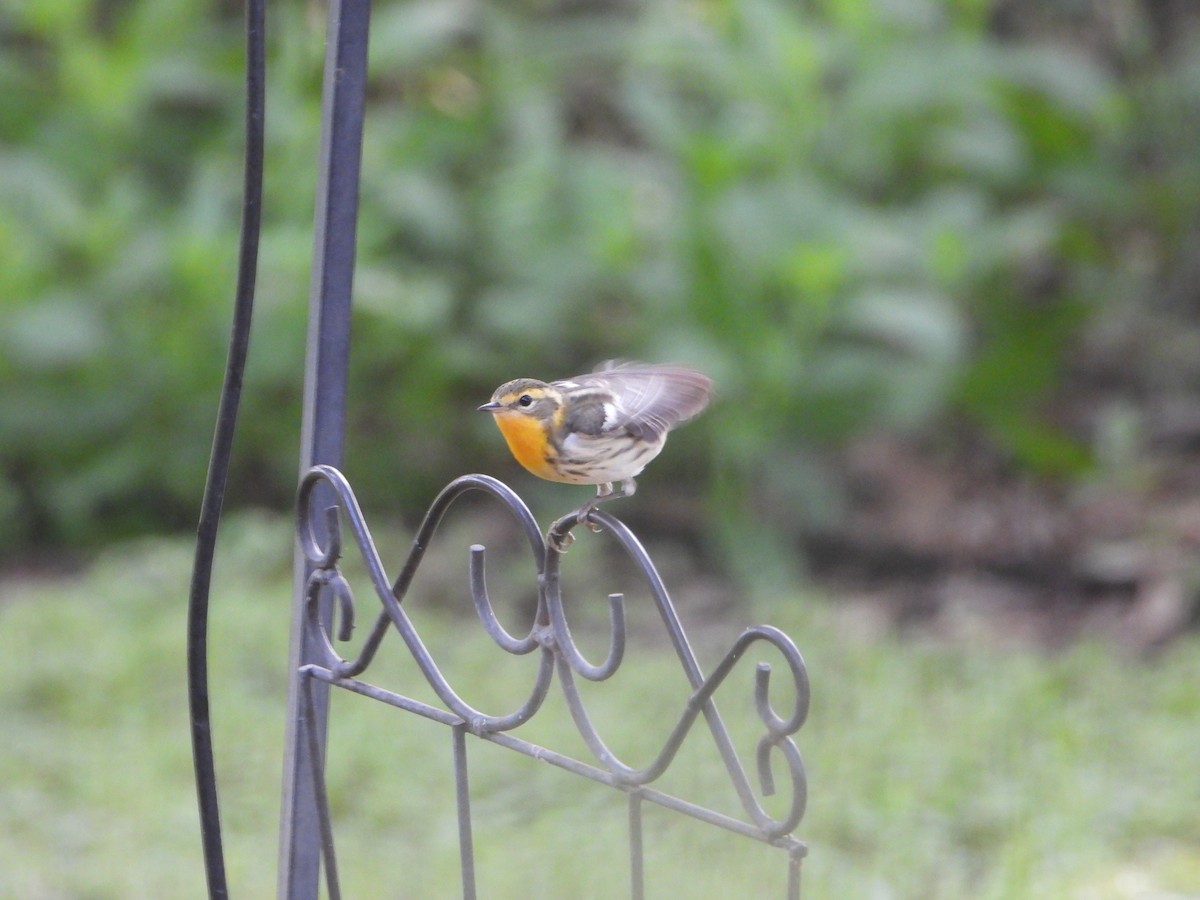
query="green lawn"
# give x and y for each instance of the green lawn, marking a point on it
(935, 770)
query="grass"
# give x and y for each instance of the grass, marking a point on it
(935, 770)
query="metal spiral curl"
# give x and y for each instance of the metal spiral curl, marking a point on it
(323, 558)
(550, 632)
(779, 729)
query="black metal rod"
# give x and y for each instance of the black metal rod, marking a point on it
(221, 453)
(323, 426)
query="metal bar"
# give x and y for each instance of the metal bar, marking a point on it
(687, 659)
(219, 457)
(462, 791)
(562, 761)
(323, 425)
(316, 765)
(794, 859)
(637, 874)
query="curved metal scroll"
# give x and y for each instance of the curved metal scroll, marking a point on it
(327, 576)
(550, 634)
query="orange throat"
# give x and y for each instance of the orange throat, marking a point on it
(526, 438)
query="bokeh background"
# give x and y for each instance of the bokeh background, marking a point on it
(940, 257)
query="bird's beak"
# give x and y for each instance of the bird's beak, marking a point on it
(490, 406)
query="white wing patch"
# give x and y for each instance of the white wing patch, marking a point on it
(651, 400)
(612, 415)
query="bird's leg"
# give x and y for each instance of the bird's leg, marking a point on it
(604, 493)
(560, 535)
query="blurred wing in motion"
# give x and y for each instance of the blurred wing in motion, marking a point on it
(649, 400)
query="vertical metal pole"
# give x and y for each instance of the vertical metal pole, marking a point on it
(323, 426)
(462, 790)
(316, 759)
(793, 889)
(637, 853)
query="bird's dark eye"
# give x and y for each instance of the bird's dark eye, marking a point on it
(524, 400)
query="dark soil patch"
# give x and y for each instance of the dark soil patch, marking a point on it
(948, 543)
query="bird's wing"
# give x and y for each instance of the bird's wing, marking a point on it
(649, 400)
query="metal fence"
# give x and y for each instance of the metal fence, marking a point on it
(324, 596)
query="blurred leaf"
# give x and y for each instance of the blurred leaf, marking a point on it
(53, 335)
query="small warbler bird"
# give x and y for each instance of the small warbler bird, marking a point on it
(599, 428)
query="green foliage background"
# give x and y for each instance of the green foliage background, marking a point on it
(856, 214)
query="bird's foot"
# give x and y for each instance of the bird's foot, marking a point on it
(560, 540)
(560, 536)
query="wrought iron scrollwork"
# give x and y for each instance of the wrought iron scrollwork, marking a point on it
(327, 576)
(550, 636)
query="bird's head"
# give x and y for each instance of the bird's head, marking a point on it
(525, 397)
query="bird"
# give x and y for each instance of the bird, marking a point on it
(601, 428)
